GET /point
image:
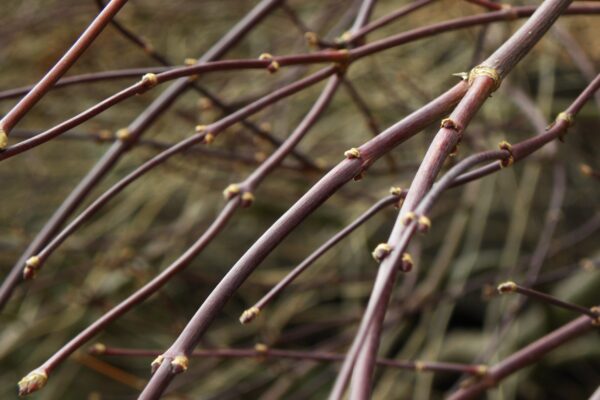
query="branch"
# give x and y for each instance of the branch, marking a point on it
(66, 61)
(526, 356)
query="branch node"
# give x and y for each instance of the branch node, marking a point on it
(396, 191)
(273, 66)
(409, 217)
(156, 363)
(407, 262)
(189, 61)
(32, 264)
(208, 137)
(343, 39)
(506, 162)
(3, 139)
(449, 123)
(123, 134)
(454, 151)
(247, 199)
(231, 191)
(420, 366)
(510, 11)
(481, 370)
(311, 39)
(484, 70)
(352, 153)
(261, 350)
(35, 380)
(179, 364)
(596, 311)
(381, 251)
(565, 116)
(342, 65)
(148, 82)
(424, 224)
(507, 287)
(359, 177)
(568, 118)
(249, 315)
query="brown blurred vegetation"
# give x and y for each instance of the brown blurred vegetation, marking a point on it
(496, 222)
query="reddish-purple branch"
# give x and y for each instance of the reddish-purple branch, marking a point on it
(525, 357)
(66, 61)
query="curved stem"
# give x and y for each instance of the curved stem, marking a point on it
(314, 256)
(66, 61)
(213, 129)
(525, 357)
(136, 128)
(328, 185)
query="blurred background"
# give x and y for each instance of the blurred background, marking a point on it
(445, 309)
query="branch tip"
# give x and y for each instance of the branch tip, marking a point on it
(97, 349)
(462, 75)
(507, 287)
(249, 315)
(104, 135)
(35, 380)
